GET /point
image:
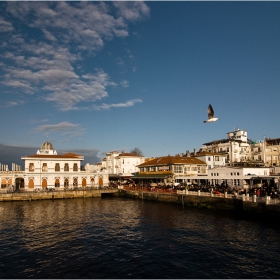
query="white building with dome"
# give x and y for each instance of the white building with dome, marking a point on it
(46, 169)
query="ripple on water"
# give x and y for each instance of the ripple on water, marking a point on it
(115, 238)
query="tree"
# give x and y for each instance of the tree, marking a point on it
(136, 151)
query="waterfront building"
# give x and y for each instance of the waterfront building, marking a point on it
(236, 147)
(122, 165)
(211, 159)
(267, 151)
(170, 169)
(47, 169)
(238, 177)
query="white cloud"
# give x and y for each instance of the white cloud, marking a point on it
(48, 35)
(132, 10)
(125, 83)
(5, 26)
(63, 128)
(11, 104)
(129, 103)
(47, 67)
(18, 84)
(88, 88)
(56, 127)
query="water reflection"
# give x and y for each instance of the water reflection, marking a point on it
(119, 238)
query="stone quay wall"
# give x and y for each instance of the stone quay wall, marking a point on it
(235, 204)
(29, 196)
(243, 206)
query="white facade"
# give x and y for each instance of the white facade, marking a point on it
(111, 162)
(212, 159)
(235, 176)
(122, 164)
(236, 146)
(126, 163)
(46, 169)
(229, 172)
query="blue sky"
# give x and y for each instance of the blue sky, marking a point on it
(92, 77)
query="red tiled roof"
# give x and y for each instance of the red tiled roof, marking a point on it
(169, 160)
(67, 155)
(128, 155)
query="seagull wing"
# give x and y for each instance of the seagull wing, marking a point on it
(210, 112)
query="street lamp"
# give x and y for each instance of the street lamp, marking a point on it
(264, 155)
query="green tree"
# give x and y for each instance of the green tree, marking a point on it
(136, 151)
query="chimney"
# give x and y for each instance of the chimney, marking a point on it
(194, 152)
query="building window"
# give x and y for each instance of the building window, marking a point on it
(57, 183)
(66, 167)
(178, 169)
(209, 158)
(66, 183)
(57, 167)
(3, 184)
(44, 167)
(75, 167)
(31, 167)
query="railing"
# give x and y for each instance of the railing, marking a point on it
(199, 193)
(267, 199)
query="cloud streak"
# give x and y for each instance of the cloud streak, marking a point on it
(63, 128)
(129, 103)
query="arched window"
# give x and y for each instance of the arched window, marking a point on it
(84, 182)
(31, 167)
(66, 167)
(100, 182)
(75, 182)
(44, 167)
(57, 183)
(31, 184)
(66, 183)
(3, 184)
(57, 167)
(92, 181)
(44, 183)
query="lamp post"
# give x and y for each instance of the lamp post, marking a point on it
(264, 152)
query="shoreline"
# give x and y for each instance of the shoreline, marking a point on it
(243, 206)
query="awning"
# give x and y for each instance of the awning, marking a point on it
(151, 176)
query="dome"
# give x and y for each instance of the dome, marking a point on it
(47, 146)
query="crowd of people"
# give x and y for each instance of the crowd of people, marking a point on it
(260, 191)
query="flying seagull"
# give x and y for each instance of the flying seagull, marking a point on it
(211, 115)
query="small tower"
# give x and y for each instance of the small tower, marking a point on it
(47, 149)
